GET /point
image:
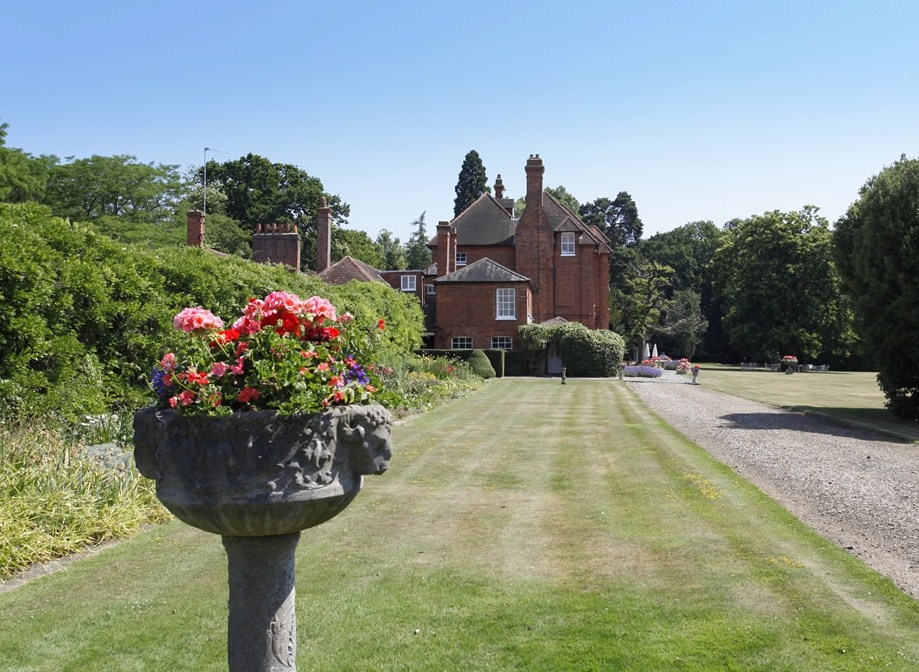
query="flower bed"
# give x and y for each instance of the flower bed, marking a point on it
(641, 371)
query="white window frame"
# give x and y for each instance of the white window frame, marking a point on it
(409, 283)
(430, 289)
(505, 303)
(461, 259)
(506, 343)
(569, 244)
(461, 343)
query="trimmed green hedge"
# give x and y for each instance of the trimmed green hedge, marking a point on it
(496, 357)
(86, 316)
(585, 353)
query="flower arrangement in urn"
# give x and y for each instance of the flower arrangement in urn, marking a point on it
(684, 366)
(283, 353)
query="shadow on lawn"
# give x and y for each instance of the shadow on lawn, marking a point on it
(808, 419)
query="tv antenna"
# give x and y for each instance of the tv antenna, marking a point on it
(206, 150)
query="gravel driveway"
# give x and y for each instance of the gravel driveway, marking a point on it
(857, 488)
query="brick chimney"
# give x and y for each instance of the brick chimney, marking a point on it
(534, 170)
(499, 187)
(323, 236)
(194, 231)
(446, 249)
(277, 244)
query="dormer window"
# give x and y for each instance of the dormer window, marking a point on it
(568, 244)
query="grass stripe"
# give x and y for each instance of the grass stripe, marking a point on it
(530, 526)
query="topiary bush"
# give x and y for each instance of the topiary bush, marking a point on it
(589, 353)
(481, 364)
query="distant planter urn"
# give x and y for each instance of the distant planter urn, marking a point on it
(258, 479)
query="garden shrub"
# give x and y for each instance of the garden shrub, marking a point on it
(585, 352)
(86, 316)
(479, 363)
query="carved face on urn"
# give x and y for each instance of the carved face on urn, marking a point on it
(365, 431)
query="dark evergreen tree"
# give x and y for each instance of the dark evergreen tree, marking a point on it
(471, 183)
(417, 252)
(617, 218)
(876, 245)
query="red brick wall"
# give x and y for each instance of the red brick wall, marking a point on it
(469, 309)
(277, 244)
(580, 288)
(502, 254)
(394, 278)
(194, 230)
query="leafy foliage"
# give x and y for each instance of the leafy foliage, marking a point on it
(22, 176)
(471, 183)
(565, 198)
(417, 252)
(877, 250)
(86, 315)
(86, 189)
(617, 218)
(689, 251)
(638, 298)
(392, 251)
(356, 244)
(480, 363)
(261, 192)
(585, 352)
(776, 277)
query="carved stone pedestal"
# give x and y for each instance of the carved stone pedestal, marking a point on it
(258, 479)
(262, 624)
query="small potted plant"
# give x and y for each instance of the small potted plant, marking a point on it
(683, 367)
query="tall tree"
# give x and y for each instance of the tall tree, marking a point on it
(471, 184)
(117, 186)
(682, 325)
(638, 299)
(357, 244)
(417, 252)
(776, 277)
(392, 251)
(561, 195)
(22, 176)
(261, 192)
(877, 248)
(689, 250)
(617, 218)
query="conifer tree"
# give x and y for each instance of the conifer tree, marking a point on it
(471, 183)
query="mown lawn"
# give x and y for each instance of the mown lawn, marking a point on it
(850, 397)
(530, 526)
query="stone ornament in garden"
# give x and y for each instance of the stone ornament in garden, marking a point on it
(262, 430)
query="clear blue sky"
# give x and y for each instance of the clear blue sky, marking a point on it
(704, 110)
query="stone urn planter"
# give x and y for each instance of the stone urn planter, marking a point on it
(257, 479)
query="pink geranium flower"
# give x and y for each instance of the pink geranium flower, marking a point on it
(196, 319)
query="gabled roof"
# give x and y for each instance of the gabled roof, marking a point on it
(485, 222)
(483, 270)
(348, 268)
(553, 322)
(561, 218)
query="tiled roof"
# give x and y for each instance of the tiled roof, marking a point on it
(348, 268)
(485, 222)
(483, 270)
(561, 218)
(553, 322)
